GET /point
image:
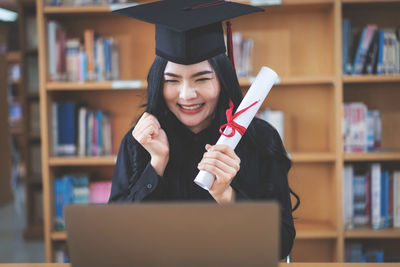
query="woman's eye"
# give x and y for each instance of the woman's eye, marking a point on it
(203, 79)
(171, 81)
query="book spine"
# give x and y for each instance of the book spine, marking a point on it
(55, 128)
(396, 199)
(66, 128)
(376, 195)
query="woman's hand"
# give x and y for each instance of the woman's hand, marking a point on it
(223, 162)
(149, 134)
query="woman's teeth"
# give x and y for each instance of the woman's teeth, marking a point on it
(191, 107)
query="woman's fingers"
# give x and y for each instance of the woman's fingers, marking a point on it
(218, 168)
(223, 153)
(148, 133)
(147, 125)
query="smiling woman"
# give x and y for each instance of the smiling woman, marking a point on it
(190, 85)
(191, 93)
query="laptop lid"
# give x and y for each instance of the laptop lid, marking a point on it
(173, 234)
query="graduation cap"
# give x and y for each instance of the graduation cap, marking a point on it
(188, 31)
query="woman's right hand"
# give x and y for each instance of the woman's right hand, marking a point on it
(153, 138)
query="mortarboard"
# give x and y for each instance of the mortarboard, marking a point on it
(188, 31)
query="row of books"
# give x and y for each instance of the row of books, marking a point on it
(83, 2)
(78, 130)
(243, 54)
(95, 59)
(371, 197)
(355, 253)
(376, 52)
(361, 128)
(77, 189)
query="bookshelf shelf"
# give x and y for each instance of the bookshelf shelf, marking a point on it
(368, 1)
(347, 79)
(312, 157)
(82, 161)
(315, 230)
(285, 81)
(114, 85)
(367, 233)
(13, 56)
(76, 9)
(59, 236)
(372, 156)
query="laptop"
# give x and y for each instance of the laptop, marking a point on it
(173, 234)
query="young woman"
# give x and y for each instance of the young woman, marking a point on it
(188, 95)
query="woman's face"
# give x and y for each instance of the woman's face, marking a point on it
(191, 93)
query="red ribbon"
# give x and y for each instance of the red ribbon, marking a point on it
(230, 120)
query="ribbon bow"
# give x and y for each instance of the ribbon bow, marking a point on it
(230, 120)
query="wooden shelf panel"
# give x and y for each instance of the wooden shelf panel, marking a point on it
(315, 230)
(13, 57)
(82, 161)
(370, 78)
(58, 235)
(312, 157)
(372, 156)
(114, 85)
(285, 81)
(76, 9)
(369, 1)
(370, 233)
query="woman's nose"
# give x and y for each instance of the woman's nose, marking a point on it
(187, 91)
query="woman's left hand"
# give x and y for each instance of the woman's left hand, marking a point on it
(223, 162)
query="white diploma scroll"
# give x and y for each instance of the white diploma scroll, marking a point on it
(258, 91)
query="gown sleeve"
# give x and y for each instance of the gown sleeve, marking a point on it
(125, 187)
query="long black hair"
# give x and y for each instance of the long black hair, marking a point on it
(230, 89)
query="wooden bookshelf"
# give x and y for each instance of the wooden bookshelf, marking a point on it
(372, 156)
(83, 161)
(371, 79)
(29, 54)
(13, 57)
(362, 233)
(302, 43)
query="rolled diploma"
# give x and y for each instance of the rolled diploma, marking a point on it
(258, 91)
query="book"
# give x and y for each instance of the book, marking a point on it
(72, 59)
(363, 47)
(348, 173)
(63, 188)
(347, 40)
(82, 129)
(66, 121)
(396, 199)
(359, 201)
(376, 191)
(381, 41)
(100, 192)
(372, 55)
(89, 39)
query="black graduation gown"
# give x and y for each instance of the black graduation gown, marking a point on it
(259, 178)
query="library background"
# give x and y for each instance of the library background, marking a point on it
(73, 77)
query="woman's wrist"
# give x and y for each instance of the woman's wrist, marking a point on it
(159, 164)
(227, 196)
